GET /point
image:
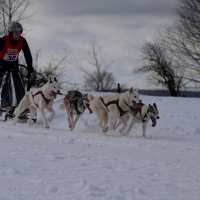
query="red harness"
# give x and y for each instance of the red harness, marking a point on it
(122, 112)
(40, 92)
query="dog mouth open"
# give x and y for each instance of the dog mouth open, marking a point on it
(153, 121)
(53, 94)
(137, 106)
(134, 104)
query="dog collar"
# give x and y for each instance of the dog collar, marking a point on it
(131, 107)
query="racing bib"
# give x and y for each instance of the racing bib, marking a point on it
(10, 53)
(11, 58)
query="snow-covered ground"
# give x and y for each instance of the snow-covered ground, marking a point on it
(59, 164)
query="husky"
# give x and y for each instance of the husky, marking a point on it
(109, 107)
(75, 103)
(141, 115)
(41, 99)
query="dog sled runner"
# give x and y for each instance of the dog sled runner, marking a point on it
(24, 76)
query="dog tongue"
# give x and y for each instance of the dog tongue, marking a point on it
(153, 121)
(89, 109)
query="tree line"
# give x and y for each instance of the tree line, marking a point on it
(171, 60)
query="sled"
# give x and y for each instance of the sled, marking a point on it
(24, 116)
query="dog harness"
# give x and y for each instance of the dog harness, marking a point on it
(45, 99)
(140, 109)
(75, 102)
(122, 112)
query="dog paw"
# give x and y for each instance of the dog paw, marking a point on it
(47, 126)
(124, 133)
(50, 119)
(29, 123)
(104, 130)
(104, 133)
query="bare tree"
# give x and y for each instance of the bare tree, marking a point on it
(98, 79)
(160, 67)
(183, 39)
(173, 61)
(55, 67)
(12, 10)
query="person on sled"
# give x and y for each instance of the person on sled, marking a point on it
(10, 47)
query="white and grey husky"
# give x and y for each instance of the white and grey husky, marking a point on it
(41, 99)
(109, 107)
(141, 115)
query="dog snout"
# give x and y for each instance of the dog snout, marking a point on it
(58, 91)
(140, 101)
(158, 117)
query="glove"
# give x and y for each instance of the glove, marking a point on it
(2, 68)
(30, 69)
(7, 67)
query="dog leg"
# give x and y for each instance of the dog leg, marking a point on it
(21, 107)
(102, 119)
(51, 110)
(70, 120)
(44, 119)
(99, 124)
(144, 125)
(116, 124)
(129, 128)
(118, 121)
(75, 121)
(32, 114)
(16, 113)
(124, 125)
(110, 122)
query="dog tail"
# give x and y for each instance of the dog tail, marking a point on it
(62, 106)
(90, 97)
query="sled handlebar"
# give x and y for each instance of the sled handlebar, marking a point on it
(28, 76)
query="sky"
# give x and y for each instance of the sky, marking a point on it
(83, 164)
(121, 27)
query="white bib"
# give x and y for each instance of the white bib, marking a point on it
(11, 58)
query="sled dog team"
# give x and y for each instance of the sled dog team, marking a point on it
(112, 110)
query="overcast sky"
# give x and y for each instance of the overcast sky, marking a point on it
(122, 26)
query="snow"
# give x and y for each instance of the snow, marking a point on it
(59, 164)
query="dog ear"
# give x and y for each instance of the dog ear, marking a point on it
(50, 80)
(131, 90)
(137, 89)
(55, 79)
(154, 105)
(150, 106)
